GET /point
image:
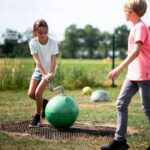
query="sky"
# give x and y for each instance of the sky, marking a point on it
(105, 15)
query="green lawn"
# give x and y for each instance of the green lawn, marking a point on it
(15, 106)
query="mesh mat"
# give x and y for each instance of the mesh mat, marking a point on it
(48, 132)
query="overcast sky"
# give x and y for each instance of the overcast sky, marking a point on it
(59, 14)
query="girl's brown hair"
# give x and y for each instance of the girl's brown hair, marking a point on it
(37, 24)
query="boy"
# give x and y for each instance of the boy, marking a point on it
(138, 76)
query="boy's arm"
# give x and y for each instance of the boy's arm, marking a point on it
(136, 50)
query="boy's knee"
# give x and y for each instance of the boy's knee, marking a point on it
(121, 106)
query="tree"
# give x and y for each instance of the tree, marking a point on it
(71, 43)
(92, 38)
(80, 41)
(9, 47)
(105, 43)
(121, 39)
(27, 35)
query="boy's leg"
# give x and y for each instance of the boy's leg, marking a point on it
(144, 89)
(127, 91)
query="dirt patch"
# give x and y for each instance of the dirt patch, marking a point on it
(130, 130)
(7, 108)
(20, 134)
(95, 105)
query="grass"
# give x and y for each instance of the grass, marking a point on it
(71, 73)
(15, 106)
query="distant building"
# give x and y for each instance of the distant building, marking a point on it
(11, 35)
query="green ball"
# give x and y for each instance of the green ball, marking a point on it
(61, 111)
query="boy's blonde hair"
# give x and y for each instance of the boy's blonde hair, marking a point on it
(138, 6)
(37, 24)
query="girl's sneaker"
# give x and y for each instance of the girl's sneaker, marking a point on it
(35, 122)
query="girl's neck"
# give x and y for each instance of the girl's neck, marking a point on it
(43, 42)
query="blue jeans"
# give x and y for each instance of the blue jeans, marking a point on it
(128, 90)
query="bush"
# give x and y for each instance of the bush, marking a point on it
(12, 75)
(70, 73)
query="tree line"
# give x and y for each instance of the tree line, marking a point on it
(87, 42)
(90, 42)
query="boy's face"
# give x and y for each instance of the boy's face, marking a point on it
(42, 34)
(128, 15)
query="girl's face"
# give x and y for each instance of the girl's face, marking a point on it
(42, 34)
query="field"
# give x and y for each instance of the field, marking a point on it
(71, 73)
(15, 106)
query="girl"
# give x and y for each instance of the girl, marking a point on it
(44, 51)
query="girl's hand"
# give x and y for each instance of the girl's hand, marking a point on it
(49, 77)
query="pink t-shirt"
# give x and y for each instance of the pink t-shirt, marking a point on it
(139, 68)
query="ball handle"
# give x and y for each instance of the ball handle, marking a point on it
(57, 88)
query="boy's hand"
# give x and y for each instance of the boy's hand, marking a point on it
(114, 73)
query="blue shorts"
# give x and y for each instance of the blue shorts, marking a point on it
(36, 75)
